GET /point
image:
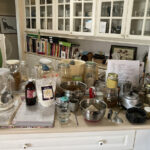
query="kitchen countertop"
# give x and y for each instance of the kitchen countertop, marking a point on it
(84, 126)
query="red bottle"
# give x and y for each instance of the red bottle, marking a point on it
(30, 93)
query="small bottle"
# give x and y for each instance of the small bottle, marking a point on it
(30, 93)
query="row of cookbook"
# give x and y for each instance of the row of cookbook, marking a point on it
(50, 46)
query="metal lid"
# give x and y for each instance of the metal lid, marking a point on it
(131, 96)
(90, 63)
(45, 61)
(12, 62)
(113, 75)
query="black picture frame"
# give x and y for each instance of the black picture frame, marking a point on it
(125, 52)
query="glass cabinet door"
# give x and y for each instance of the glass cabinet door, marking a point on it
(46, 14)
(140, 18)
(63, 15)
(111, 17)
(83, 15)
(30, 14)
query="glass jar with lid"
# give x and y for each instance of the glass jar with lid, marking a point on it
(90, 73)
(14, 66)
(64, 72)
(112, 81)
(45, 68)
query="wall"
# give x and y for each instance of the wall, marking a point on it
(7, 7)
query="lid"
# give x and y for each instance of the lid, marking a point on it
(131, 96)
(112, 75)
(12, 62)
(4, 71)
(45, 61)
(64, 99)
(90, 63)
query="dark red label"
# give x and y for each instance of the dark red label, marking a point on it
(31, 93)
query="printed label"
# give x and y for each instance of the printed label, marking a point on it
(31, 93)
(47, 92)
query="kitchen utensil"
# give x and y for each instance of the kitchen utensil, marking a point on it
(73, 89)
(93, 109)
(130, 100)
(110, 112)
(76, 118)
(136, 115)
(73, 105)
(117, 119)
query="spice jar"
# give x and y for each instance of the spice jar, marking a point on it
(90, 73)
(14, 66)
(112, 80)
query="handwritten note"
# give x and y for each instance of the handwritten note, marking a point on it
(126, 69)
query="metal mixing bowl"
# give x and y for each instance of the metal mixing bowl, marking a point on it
(74, 89)
(93, 109)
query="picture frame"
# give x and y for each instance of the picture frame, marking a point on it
(123, 52)
(8, 25)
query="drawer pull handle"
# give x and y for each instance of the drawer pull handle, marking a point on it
(101, 142)
(25, 146)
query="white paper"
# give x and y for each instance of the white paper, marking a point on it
(102, 27)
(88, 24)
(126, 69)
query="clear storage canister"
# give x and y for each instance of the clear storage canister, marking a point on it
(14, 66)
(64, 72)
(45, 68)
(90, 73)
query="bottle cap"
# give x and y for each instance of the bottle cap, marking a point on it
(64, 99)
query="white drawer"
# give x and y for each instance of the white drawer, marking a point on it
(117, 140)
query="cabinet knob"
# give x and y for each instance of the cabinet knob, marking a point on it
(101, 142)
(25, 146)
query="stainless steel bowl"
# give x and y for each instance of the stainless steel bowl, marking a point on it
(74, 89)
(93, 109)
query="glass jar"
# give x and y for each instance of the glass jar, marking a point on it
(45, 68)
(63, 112)
(14, 66)
(90, 73)
(112, 80)
(147, 91)
(23, 71)
(64, 72)
(111, 97)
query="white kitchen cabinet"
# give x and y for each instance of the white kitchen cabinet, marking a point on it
(111, 18)
(63, 16)
(46, 15)
(112, 140)
(30, 15)
(142, 140)
(83, 17)
(138, 20)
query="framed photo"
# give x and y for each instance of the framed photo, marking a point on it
(123, 52)
(8, 24)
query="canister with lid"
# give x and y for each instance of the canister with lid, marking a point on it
(90, 73)
(14, 66)
(112, 80)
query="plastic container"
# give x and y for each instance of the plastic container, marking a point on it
(63, 112)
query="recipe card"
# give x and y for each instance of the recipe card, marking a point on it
(128, 70)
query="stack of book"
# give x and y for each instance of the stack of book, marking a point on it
(50, 46)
